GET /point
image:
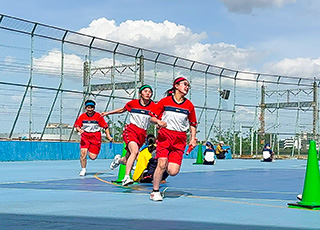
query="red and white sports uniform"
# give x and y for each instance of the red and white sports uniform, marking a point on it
(139, 122)
(91, 137)
(171, 140)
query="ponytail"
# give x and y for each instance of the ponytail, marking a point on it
(171, 91)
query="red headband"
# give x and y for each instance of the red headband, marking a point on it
(178, 80)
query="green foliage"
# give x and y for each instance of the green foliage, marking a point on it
(116, 129)
(233, 140)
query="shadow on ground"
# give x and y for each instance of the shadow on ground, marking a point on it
(24, 222)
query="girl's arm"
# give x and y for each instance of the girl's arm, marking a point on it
(79, 129)
(109, 137)
(193, 140)
(158, 122)
(116, 111)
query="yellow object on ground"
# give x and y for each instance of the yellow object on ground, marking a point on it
(142, 163)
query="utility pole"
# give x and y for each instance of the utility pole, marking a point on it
(262, 115)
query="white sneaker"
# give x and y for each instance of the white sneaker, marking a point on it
(115, 163)
(299, 197)
(156, 196)
(127, 181)
(83, 172)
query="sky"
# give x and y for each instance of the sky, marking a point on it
(277, 37)
(267, 36)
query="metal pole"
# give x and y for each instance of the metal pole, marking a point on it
(20, 107)
(61, 83)
(262, 115)
(220, 99)
(234, 112)
(155, 86)
(135, 79)
(173, 68)
(29, 85)
(190, 90)
(204, 108)
(299, 144)
(256, 125)
(298, 131)
(113, 84)
(86, 84)
(87, 75)
(277, 114)
(240, 136)
(215, 116)
(205, 101)
(31, 77)
(156, 76)
(251, 137)
(141, 69)
(315, 111)
(56, 96)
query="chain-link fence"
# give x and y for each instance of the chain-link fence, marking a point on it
(47, 72)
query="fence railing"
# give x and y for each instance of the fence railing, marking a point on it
(44, 81)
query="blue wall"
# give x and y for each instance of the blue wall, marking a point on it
(36, 150)
(194, 153)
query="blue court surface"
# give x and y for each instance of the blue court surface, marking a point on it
(233, 194)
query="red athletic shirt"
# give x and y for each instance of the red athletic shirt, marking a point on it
(91, 124)
(178, 116)
(139, 114)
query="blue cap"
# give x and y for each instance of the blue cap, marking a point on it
(90, 103)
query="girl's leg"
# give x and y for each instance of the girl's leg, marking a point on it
(157, 176)
(83, 157)
(83, 161)
(93, 156)
(133, 153)
(173, 168)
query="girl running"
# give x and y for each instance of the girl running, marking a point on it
(134, 134)
(89, 125)
(174, 114)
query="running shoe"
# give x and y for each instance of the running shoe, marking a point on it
(156, 196)
(127, 181)
(116, 161)
(299, 197)
(83, 172)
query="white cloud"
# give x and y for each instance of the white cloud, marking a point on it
(180, 41)
(220, 54)
(246, 6)
(168, 37)
(51, 63)
(9, 60)
(304, 67)
(147, 34)
(245, 115)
